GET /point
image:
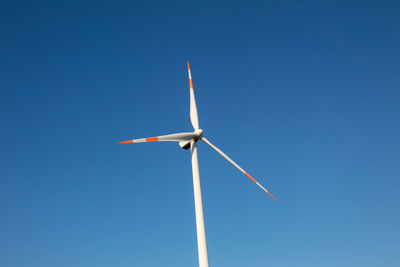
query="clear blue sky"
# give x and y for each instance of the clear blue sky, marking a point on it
(303, 94)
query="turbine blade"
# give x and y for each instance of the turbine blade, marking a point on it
(178, 137)
(193, 108)
(234, 164)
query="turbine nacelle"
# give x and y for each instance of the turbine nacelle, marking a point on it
(185, 144)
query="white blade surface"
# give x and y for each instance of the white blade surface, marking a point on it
(234, 164)
(193, 109)
(178, 137)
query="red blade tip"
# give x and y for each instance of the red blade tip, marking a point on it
(126, 142)
(272, 196)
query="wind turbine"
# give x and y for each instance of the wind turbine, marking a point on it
(187, 140)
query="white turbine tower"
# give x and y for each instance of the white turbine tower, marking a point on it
(187, 140)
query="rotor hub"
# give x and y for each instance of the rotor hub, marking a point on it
(199, 134)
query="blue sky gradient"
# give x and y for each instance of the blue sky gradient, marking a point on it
(304, 95)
